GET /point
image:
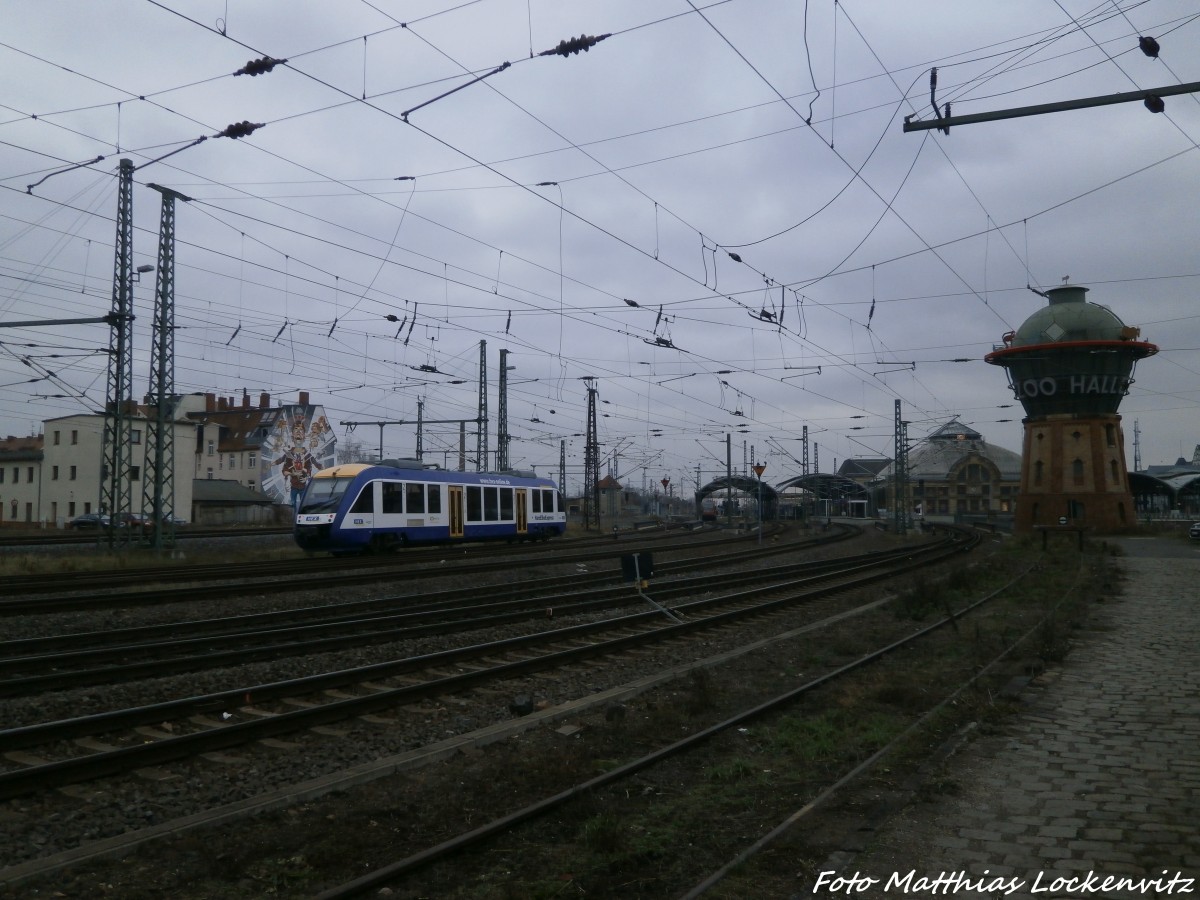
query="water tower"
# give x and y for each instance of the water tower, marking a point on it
(1070, 364)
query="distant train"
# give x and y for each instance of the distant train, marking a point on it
(708, 509)
(369, 508)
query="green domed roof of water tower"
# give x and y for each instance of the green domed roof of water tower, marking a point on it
(1069, 317)
(1071, 356)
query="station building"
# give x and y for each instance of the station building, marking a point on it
(954, 474)
(263, 453)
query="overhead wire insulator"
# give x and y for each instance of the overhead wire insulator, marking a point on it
(574, 45)
(1154, 103)
(240, 129)
(259, 66)
(1149, 46)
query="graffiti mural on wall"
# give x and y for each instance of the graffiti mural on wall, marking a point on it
(300, 443)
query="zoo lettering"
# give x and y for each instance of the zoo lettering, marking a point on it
(1074, 384)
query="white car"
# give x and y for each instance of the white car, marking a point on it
(1194, 531)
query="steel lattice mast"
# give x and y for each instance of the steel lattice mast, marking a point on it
(115, 474)
(158, 492)
(900, 474)
(502, 437)
(591, 464)
(481, 440)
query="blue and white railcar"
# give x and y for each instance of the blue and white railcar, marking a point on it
(358, 508)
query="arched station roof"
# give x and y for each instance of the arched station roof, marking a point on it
(742, 483)
(827, 486)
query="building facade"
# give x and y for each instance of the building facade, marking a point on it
(51, 478)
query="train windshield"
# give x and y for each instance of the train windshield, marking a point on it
(324, 494)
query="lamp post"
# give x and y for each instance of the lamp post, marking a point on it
(759, 468)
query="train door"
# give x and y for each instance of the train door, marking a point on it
(456, 510)
(522, 511)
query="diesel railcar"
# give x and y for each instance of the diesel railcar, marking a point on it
(378, 508)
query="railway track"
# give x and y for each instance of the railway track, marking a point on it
(67, 661)
(52, 593)
(54, 754)
(630, 779)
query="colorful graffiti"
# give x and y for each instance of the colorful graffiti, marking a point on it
(300, 442)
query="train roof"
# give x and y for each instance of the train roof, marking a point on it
(350, 470)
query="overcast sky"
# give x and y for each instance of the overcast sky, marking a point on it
(714, 212)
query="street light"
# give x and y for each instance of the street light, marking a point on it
(758, 470)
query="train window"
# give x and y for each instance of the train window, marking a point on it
(393, 497)
(506, 504)
(416, 498)
(365, 501)
(547, 501)
(474, 504)
(535, 501)
(491, 504)
(435, 499)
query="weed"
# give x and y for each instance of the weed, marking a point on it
(602, 833)
(734, 770)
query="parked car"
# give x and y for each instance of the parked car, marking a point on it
(89, 520)
(175, 521)
(1194, 531)
(134, 520)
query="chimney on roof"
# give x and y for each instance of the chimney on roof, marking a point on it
(245, 400)
(304, 398)
(222, 404)
(264, 400)
(210, 402)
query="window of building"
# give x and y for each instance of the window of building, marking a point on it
(135, 473)
(54, 473)
(57, 437)
(54, 511)
(1112, 465)
(29, 474)
(251, 484)
(73, 472)
(1037, 471)
(1077, 471)
(1, 476)
(71, 509)
(232, 461)
(212, 449)
(210, 474)
(16, 478)
(135, 435)
(1110, 435)
(74, 436)
(252, 461)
